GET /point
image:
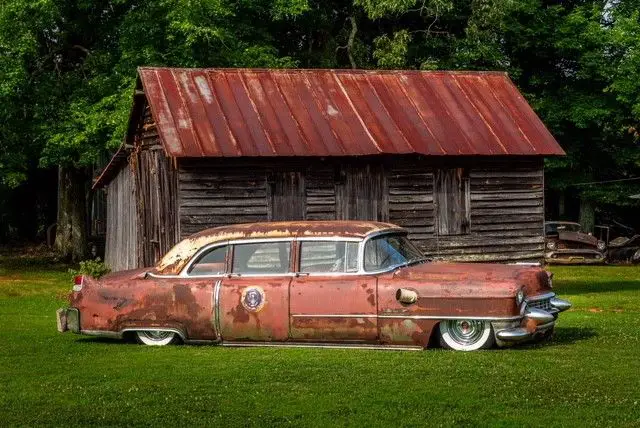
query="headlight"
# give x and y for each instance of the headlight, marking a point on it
(519, 297)
(551, 245)
(601, 245)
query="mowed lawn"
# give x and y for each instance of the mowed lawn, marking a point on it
(589, 375)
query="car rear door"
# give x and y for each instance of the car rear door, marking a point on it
(254, 298)
(329, 300)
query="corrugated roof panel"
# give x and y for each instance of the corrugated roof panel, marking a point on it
(240, 112)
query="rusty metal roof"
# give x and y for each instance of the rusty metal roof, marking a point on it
(247, 112)
(181, 253)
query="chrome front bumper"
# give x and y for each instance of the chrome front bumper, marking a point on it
(68, 319)
(539, 317)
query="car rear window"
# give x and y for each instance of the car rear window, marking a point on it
(328, 256)
(261, 258)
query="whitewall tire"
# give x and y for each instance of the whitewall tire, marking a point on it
(466, 335)
(156, 337)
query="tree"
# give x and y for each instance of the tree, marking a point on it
(68, 70)
(71, 67)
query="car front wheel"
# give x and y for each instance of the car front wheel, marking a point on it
(157, 337)
(466, 335)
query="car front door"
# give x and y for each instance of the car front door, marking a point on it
(254, 298)
(329, 300)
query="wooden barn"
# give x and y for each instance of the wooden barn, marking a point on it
(454, 157)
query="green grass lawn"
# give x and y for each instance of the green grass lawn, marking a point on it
(588, 375)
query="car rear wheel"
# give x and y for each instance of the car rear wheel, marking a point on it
(466, 335)
(157, 337)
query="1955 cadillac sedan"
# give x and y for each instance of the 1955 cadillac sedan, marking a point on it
(328, 283)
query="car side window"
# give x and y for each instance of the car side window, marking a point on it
(261, 258)
(212, 262)
(328, 256)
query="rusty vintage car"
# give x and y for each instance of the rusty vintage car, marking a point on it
(566, 243)
(326, 283)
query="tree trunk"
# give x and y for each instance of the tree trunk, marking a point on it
(587, 215)
(71, 232)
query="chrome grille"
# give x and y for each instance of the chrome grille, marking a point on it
(544, 304)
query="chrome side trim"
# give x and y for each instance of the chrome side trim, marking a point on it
(327, 238)
(447, 317)
(334, 315)
(414, 317)
(322, 345)
(216, 309)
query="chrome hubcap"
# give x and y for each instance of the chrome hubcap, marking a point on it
(156, 335)
(466, 332)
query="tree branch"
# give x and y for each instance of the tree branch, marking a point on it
(350, 41)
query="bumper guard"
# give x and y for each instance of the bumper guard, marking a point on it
(544, 320)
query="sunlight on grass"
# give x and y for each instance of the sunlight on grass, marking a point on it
(587, 375)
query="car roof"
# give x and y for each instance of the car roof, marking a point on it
(181, 253)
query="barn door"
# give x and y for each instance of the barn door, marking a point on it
(452, 200)
(287, 197)
(360, 193)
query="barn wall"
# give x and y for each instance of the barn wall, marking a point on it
(121, 243)
(156, 192)
(506, 214)
(500, 202)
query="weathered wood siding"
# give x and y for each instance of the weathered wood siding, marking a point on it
(214, 193)
(156, 193)
(121, 250)
(506, 214)
(493, 209)
(410, 189)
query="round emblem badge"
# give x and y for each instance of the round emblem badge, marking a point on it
(253, 298)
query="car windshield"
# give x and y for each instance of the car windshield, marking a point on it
(388, 251)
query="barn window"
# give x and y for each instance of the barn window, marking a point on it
(287, 198)
(452, 197)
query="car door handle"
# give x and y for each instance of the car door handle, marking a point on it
(299, 274)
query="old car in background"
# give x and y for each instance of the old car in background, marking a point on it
(328, 283)
(566, 243)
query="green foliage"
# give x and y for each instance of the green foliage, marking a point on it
(68, 67)
(392, 52)
(93, 268)
(588, 372)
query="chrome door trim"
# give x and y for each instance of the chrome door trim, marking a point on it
(216, 309)
(323, 345)
(334, 315)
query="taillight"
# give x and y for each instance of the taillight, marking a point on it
(78, 282)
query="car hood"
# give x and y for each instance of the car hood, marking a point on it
(580, 237)
(476, 279)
